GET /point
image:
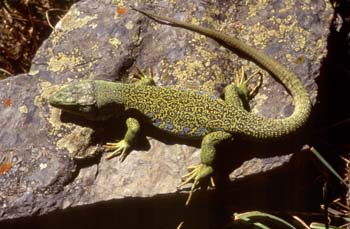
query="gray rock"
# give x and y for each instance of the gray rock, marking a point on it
(51, 161)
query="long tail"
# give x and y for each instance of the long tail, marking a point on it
(273, 128)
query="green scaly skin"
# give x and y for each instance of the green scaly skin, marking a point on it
(186, 113)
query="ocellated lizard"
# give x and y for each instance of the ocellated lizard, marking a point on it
(187, 113)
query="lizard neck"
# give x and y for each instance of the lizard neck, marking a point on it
(111, 92)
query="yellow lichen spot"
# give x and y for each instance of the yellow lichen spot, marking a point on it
(61, 62)
(129, 25)
(300, 42)
(209, 15)
(198, 37)
(92, 25)
(286, 9)
(95, 47)
(255, 7)
(120, 3)
(276, 20)
(45, 84)
(289, 57)
(194, 21)
(42, 166)
(196, 72)
(300, 35)
(320, 44)
(115, 42)
(290, 18)
(23, 109)
(261, 35)
(33, 72)
(72, 20)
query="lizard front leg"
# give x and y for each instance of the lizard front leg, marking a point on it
(144, 79)
(238, 94)
(122, 147)
(207, 156)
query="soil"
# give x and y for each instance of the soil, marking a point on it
(24, 25)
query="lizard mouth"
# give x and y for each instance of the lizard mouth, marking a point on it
(60, 99)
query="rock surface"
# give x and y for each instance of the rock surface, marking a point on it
(51, 161)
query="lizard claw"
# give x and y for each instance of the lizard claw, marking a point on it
(119, 148)
(195, 175)
(144, 79)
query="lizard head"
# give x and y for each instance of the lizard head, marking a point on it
(83, 99)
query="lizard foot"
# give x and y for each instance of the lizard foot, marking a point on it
(195, 175)
(242, 84)
(144, 79)
(117, 148)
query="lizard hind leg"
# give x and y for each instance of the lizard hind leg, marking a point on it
(242, 82)
(238, 93)
(197, 173)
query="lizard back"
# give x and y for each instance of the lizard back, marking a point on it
(181, 112)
